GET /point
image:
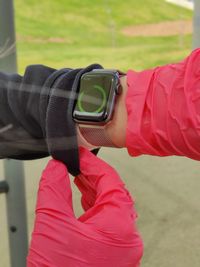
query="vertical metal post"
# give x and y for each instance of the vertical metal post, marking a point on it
(196, 23)
(8, 60)
(16, 212)
(14, 171)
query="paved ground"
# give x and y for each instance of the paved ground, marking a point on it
(160, 29)
(167, 193)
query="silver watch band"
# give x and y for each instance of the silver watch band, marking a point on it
(96, 135)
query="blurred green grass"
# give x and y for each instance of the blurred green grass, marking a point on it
(74, 33)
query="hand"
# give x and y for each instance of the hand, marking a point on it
(105, 235)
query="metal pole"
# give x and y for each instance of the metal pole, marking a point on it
(16, 212)
(14, 171)
(196, 23)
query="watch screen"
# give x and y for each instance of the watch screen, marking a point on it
(94, 93)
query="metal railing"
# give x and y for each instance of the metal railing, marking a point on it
(13, 185)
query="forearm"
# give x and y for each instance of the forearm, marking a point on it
(163, 110)
(36, 114)
(21, 129)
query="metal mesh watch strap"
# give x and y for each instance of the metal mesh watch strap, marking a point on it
(96, 135)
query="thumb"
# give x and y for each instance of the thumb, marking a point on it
(55, 194)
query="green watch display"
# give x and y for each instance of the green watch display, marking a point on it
(96, 97)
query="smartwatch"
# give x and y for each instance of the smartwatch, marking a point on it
(95, 103)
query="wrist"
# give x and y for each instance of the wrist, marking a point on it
(116, 129)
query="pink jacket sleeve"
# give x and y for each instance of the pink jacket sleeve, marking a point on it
(163, 107)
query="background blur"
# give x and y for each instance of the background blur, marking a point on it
(124, 35)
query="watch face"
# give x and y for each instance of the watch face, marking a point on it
(93, 103)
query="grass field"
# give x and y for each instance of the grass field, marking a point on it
(76, 33)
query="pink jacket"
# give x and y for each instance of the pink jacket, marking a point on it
(164, 110)
(163, 119)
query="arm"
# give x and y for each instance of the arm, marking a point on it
(36, 114)
(160, 110)
(22, 106)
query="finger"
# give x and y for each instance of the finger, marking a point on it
(93, 168)
(113, 211)
(97, 176)
(88, 194)
(55, 193)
